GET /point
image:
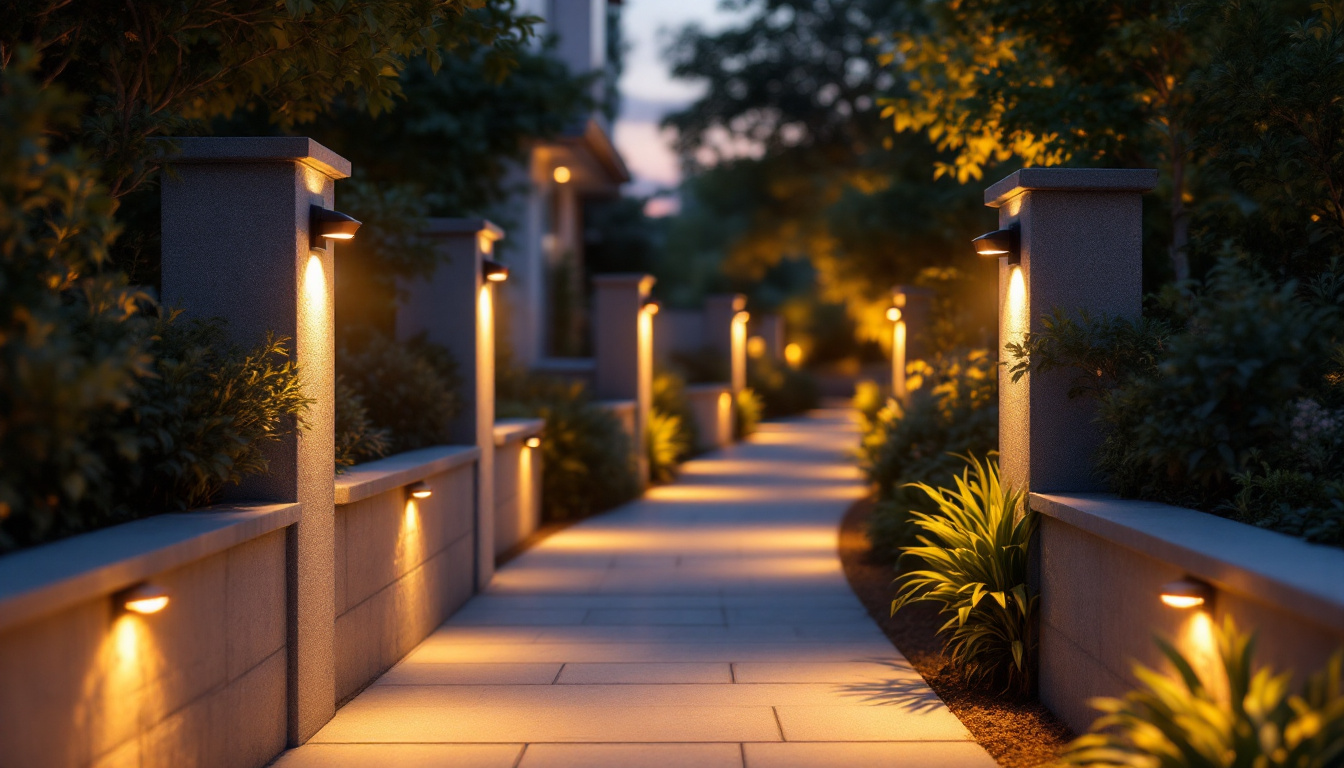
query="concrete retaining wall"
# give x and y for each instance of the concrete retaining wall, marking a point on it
(712, 406)
(517, 482)
(403, 565)
(202, 683)
(1104, 561)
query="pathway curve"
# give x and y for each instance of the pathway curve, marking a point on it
(708, 624)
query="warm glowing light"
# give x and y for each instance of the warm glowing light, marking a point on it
(1182, 601)
(485, 242)
(756, 347)
(793, 355)
(561, 175)
(652, 306)
(898, 382)
(741, 318)
(419, 490)
(144, 599)
(326, 223)
(893, 314)
(534, 442)
(1186, 593)
(494, 271)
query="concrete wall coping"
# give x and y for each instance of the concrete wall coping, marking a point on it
(516, 430)
(708, 389)
(619, 406)
(374, 477)
(463, 227)
(49, 578)
(1269, 567)
(1071, 180)
(255, 149)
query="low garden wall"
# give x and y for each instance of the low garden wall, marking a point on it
(517, 482)
(202, 682)
(403, 564)
(1104, 562)
(712, 407)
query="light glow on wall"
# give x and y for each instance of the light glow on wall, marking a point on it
(739, 350)
(793, 354)
(898, 389)
(725, 417)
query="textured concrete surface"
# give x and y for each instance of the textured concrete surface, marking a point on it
(1103, 565)
(402, 566)
(203, 682)
(707, 624)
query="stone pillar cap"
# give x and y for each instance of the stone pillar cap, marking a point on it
(440, 226)
(1071, 180)
(625, 278)
(253, 149)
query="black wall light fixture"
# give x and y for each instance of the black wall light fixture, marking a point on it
(1000, 242)
(494, 271)
(652, 306)
(325, 223)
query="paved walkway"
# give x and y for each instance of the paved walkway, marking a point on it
(708, 624)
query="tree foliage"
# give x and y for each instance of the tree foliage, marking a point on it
(163, 67)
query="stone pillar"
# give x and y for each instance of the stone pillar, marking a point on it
(771, 330)
(1081, 249)
(623, 348)
(726, 332)
(455, 308)
(236, 246)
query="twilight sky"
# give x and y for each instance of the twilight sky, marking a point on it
(650, 92)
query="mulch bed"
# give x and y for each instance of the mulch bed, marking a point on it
(1019, 734)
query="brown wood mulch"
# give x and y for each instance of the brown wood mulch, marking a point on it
(1019, 734)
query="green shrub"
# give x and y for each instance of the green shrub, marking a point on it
(973, 553)
(408, 389)
(868, 401)
(1175, 723)
(1232, 397)
(669, 397)
(588, 461)
(784, 391)
(205, 415)
(952, 409)
(747, 414)
(357, 439)
(666, 446)
(73, 344)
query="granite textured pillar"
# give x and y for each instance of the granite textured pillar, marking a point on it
(623, 348)
(236, 246)
(770, 327)
(725, 332)
(1081, 249)
(455, 308)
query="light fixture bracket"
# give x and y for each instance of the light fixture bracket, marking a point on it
(1000, 243)
(324, 223)
(493, 271)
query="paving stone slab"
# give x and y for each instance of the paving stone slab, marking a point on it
(632, 756)
(867, 755)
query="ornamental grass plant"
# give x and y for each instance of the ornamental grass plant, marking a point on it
(972, 555)
(666, 446)
(1181, 722)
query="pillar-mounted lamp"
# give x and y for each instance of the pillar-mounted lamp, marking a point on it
(143, 598)
(561, 174)
(419, 490)
(533, 442)
(894, 314)
(325, 223)
(1188, 592)
(494, 271)
(652, 306)
(1000, 242)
